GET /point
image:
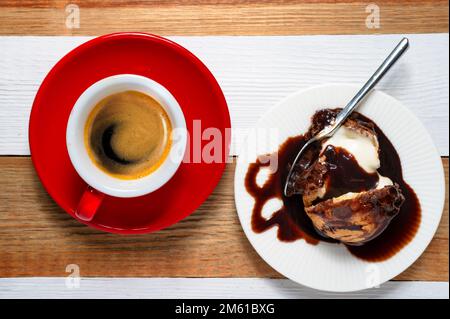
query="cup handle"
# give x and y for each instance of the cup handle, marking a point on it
(89, 204)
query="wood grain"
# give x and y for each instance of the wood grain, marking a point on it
(255, 73)
(206, 288)
(38, 239)
(226, 17)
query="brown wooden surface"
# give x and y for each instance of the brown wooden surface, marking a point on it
(38, 239)
(230, 17)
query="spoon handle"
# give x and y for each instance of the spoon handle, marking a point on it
(401, 48)
(328, 131)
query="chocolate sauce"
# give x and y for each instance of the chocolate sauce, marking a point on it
(291, 219)
(345, 174)
(404, 226)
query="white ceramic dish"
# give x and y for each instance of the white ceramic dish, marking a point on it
(331, 267)
(84, 166)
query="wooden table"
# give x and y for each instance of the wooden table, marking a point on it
(37, 239)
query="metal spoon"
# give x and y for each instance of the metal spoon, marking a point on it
(351, 106)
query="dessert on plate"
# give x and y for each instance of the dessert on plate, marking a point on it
(343, 193)
(346, 189)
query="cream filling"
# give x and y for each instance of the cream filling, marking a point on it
(365, 151)
(363, 148)
(382, 182)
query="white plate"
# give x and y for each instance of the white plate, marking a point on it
(326, 266)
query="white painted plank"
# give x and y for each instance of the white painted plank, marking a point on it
(255, 72)
(205, 288)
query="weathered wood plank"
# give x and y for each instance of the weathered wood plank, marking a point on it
(220, 288)
(230, 17)
(38, 239)
(254, 73)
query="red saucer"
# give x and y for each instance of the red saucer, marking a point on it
(162, 60)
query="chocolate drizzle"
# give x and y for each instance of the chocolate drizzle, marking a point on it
(345, 174)
(291, 219)
(292, 225)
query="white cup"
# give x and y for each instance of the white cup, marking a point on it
(83, 164)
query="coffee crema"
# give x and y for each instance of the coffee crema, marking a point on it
(128, 135)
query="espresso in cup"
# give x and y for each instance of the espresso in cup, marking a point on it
(127, 135)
